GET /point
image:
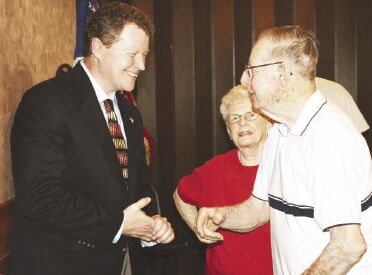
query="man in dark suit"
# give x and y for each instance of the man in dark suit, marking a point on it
(80, 185)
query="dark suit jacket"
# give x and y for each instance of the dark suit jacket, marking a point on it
(69, 190)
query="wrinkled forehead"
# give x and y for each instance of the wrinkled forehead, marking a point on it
(240, 106)
(261, 52)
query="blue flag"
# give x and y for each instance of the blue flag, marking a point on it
(84, 8)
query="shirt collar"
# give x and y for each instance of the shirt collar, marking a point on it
(310, 110)
(101, 94)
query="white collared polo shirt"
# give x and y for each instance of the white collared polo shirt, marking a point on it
(315, 177)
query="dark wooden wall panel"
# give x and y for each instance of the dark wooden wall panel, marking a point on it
(203, 81)
(222, 66)
(364, 61)
(283, 12)
(145, 87)
(345, 51)
(130, 2)
(325, 32)
(165, 109)
(304, 13)
(263, 16)
(242, 36)
(183, 52)
(146, 95)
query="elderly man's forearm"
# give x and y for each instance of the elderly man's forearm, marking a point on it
(337, 259)
(246, 216)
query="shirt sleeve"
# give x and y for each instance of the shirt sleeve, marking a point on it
(352, 110)
(118, 234)
(189, 188)
(337, 164)
(260, 186)
(340, 97)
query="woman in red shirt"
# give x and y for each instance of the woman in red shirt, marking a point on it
(228, 179)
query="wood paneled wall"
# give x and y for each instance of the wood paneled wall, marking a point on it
(37, 36)
(363, 60)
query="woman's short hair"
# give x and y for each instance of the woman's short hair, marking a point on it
(295, 44)
(236, 95)
(109, 20)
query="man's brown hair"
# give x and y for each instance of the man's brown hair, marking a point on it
(109, 20)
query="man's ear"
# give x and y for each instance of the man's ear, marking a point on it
(97, 47)
(282, 75)
(281, 72)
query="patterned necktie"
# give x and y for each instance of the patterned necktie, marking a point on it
(118, 139)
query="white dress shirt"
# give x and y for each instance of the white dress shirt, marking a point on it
(102, 96)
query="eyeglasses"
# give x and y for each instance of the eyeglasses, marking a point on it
(248, 68)
(249, 116)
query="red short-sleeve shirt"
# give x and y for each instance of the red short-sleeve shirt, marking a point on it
(224, 181)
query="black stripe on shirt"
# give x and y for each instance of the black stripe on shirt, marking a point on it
(304, 210)
(258, 198)
(321, 106)
(367, 202)
(341, 224)
(290, 208)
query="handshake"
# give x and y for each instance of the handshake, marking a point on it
(138, 225)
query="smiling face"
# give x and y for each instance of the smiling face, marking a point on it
(246, 134)
(119, 65)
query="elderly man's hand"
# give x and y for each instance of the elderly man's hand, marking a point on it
(162, 231)
(207, 223)
(212, 228)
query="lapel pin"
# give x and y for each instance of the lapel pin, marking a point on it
(131, 120)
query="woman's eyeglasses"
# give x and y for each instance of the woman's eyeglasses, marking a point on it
(234, 118)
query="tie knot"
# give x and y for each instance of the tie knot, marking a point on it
(108, 105)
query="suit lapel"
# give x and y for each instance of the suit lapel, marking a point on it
(92, 112)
